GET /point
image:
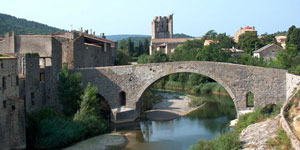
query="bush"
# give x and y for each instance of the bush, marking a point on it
(226, 141)
(89, 114)
(48, 129)
(281, 141)
(58, 132)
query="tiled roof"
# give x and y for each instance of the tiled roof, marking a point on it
(266, 47)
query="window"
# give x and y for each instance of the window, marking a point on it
(42, 77)
(32, 98)
(17, 80)
(122, 96)
(249, 99)
(4, 104)
(3, 83)
(13, 107)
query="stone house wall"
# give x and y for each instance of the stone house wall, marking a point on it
(12, 116)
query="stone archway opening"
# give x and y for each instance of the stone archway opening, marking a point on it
(104, 107)
(194, 83)
(249, 100)
(122, 98)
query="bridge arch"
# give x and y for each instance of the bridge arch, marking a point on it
(268, 85)
(144, 88)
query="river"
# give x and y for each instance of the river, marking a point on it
(181, 133)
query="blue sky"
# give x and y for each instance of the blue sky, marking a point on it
(192, 17)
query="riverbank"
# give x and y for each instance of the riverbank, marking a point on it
(172, 105)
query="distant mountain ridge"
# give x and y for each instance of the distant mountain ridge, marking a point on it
(10, 23)
(120, 37)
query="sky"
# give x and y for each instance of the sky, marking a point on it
(192, 17)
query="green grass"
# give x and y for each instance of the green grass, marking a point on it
(4, 55)
(281, 141)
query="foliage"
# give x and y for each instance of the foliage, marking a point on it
(247, 59)
(293, 37)
(69, 90)
(89, 114)
(210, 35)
(268, 39)
(187, 51)
(123, 58)
(156, 57)
(250, 100)
(48, 129)
(212, 52)
(225, 41)
(281, 141)
(150, 98)
(226, 141)
(249, 42)
(4, 55)
(22, 26)
(258, 115)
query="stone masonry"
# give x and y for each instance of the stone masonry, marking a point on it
(12, 116)
(267, 85)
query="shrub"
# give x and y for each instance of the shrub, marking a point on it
(226, 141)
(48, 129)
(89, 114)
(59, 132)
(281, 141)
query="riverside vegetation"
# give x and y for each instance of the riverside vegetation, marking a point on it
(230, 140)
(81, 117)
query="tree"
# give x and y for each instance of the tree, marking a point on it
(123, 45)
(140, 48)
(69, 90)
(123, 57)
(288, 58)
(130, 47)
(187, 51)
(268, 39)
(146, 46)
(249, 42)
(293, 37)
(210, 35)
(156, 57)
(212, 52)
(225, 41)
(90, 114)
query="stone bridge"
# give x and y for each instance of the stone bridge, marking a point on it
(123, 86)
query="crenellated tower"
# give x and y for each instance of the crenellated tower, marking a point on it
(162, 27)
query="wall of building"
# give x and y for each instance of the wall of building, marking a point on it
(12, 115)
(292, 81)
(162, 27)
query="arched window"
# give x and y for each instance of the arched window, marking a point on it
(249, 99)
(122, 97)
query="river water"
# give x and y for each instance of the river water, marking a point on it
(183, 132)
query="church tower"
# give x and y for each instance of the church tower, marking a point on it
(162, 27)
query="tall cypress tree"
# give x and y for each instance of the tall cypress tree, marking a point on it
(130, 47)
(146, 46)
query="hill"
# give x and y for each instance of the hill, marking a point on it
(120, 37)
(10, 23)
(137, 38)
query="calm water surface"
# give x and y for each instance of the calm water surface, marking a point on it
(184, 132)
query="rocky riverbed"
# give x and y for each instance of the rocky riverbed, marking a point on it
(255, 136)
(173, 105)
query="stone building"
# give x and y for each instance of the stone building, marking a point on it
(268, 52)
(243, 30)
(40, 59)
(162, 36)
(12, 116)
